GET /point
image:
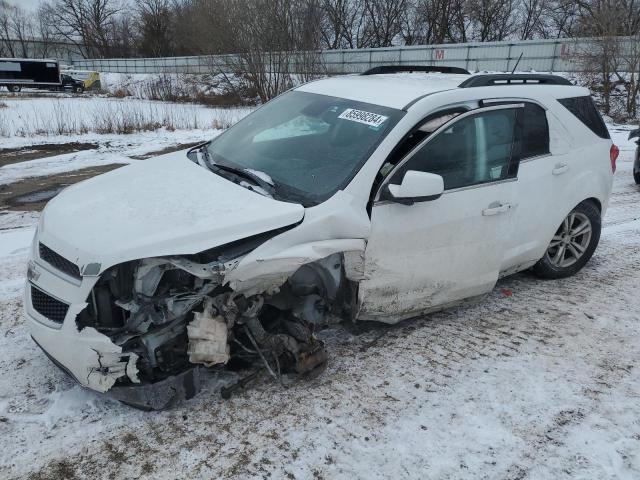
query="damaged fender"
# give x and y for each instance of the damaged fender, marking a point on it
(339, 225)
(256, 275)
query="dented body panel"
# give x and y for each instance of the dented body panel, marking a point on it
(442, 252)
(339, 225)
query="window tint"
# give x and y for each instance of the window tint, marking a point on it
(535, 131)
(587, 113)
(476, 149)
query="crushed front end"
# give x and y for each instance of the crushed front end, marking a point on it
(143, 330)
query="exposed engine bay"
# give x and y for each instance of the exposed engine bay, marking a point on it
(174, 316)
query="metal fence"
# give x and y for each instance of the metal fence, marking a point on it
(562, 55)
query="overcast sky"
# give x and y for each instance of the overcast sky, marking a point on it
(26, 4)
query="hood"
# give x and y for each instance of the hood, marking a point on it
(162, 206)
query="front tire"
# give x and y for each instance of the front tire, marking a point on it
(14, 88)
(636, 177)
(573, 243)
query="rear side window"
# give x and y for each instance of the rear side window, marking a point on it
(587, 113)
(535, 131)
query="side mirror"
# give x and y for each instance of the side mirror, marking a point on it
(415, 187)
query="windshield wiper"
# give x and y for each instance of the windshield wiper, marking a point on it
(255, 178)
(248, 175)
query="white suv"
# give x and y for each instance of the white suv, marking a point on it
(380, 196)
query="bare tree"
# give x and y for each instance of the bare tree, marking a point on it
(333, 21)
(45, 33)
(88, 24)
(561, 19)
(630, 63)
(154, 21)
(491, 20)
(17, 30)
(434, 21)
(201, 27)
(611, 60)
(266, 35)
(6, 45)
(385, 18)
(532, 15)
(345, 24)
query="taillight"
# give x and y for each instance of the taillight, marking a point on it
(613, 156)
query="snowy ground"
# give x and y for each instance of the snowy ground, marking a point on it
(539, 381)
(59, 114)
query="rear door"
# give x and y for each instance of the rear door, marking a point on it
(424, 256)
(554, 167)
(542, 178)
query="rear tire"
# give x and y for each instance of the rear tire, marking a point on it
(636, 177)
(14, 88)
(573, 243)
(78, 89)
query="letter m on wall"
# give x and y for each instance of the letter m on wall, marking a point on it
(438, 54)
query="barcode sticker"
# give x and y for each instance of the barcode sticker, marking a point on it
(360, 116)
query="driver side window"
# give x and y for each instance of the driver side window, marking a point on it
(474, 150)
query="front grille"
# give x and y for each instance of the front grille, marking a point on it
(47, 306)
(58, 261)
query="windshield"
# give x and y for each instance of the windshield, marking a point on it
(308, 145)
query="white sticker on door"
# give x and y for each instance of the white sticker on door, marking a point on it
(360, 116)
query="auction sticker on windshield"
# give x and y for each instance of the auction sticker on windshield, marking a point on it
(360, 116)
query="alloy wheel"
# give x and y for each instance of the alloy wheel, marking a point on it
(571, 240)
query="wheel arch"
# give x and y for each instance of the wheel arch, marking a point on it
(595, 202)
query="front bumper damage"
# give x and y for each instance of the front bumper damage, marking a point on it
(145, 331)
(155, 396)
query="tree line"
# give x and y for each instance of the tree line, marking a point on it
(157, 28)
(263, 34)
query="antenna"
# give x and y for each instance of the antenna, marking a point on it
(516, 65)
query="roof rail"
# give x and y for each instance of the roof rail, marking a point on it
(513, 79)
(384, 69)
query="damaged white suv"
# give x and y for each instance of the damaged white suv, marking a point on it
(379, 197)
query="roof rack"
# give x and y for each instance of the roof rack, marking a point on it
(514, 79)
(385, 69)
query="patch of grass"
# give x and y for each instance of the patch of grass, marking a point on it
(115, 455)
(147, 468)
(62, 470)
(114, 117)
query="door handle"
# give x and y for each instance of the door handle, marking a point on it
(496, 208)
(560, 168)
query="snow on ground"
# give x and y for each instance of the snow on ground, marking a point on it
(110, 149)
(46, 116)
(538, 381)
(30, 121)
(144, 85)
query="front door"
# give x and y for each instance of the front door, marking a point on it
(424, 256)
